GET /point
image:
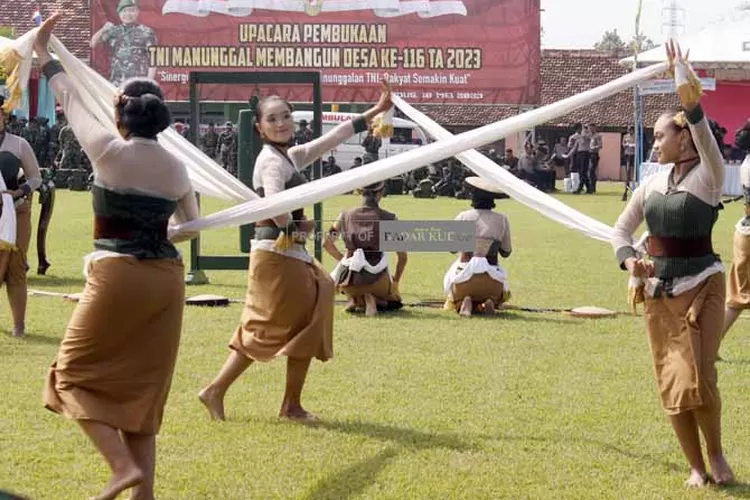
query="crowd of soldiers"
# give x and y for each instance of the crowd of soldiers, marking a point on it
(55, 147)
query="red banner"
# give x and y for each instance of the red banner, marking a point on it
(432, 51)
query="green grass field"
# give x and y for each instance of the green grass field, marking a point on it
(416, 405)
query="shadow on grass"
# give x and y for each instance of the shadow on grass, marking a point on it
(407, 438)
(351, 481)
(33, 338)
(739, 490)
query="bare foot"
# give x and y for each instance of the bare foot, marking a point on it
(466, 307)
(298, 414)
(121, 482)
(697, 479)
(489, 307)
(721, 471)
(371, 306)
(19, 331)
(213, 402)
(351, 306)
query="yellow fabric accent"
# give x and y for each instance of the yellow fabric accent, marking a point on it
(688, 85)
(283, 243)
(636, 295)
(11, 60)
(380, 127)
(7, 247)
(680, 119)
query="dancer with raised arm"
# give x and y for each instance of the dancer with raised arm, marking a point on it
(114, 368)
(289, 305)
(684, 280)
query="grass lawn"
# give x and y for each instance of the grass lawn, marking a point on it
(416, 405)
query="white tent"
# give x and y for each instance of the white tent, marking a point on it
(723, 44)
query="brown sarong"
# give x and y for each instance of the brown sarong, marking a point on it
(382, 289)
(738, 293)
(288, 309)
(13, 262)
(116, 360)
(684, 334)
(480, 287)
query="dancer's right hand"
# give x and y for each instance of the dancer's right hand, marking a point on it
(639, 268)
(42, 37)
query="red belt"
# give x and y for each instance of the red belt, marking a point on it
(116, 228)
(683, 248)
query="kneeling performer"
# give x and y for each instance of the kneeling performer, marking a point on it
(476, 282)
(363, 275)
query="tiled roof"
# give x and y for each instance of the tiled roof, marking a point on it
(564, 73)
(73, 29)
(467, 115)
(569, 72)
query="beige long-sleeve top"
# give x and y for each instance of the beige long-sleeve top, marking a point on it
(273, 170)
(21, 149)
(490, 226)
(126, 166)
(704, 181)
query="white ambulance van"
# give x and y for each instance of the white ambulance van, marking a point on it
(406, 136)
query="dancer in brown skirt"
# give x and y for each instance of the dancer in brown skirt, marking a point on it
(289, 304)
(738, 290)
(684, 280)
(16, 159)
(476, 282)
(114, 368)
(362, 275)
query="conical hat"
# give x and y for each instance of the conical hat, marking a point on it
(479, 183)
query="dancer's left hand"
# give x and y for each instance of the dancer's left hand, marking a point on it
(385, 103)
(688, 84)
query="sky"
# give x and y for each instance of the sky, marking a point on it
(563, 28)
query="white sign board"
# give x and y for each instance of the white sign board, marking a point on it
(668, 87)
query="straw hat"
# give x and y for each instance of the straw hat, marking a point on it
(482, 185)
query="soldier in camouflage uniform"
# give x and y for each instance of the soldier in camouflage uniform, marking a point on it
(15, 126)
(129, 42)
(209, 141)
(303, 135)
(227, 144)
(55, 138)
(35, 136)
(46, 140)
(72, 156)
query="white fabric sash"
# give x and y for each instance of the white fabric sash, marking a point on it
(211, 179)
(321, 189)
(7, 220)
(358, 262)
(461, 272)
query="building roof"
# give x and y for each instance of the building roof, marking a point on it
(565, 73)
(73, 29)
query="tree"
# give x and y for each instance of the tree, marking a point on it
(611, 42)
(641, 43)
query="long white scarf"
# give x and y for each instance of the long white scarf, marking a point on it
(211, 179)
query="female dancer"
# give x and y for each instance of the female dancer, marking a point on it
(16, 159)
(289, 305)
(114, 368)
(738, 294)
(476, 282)
(363, 274)
(684, 293)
